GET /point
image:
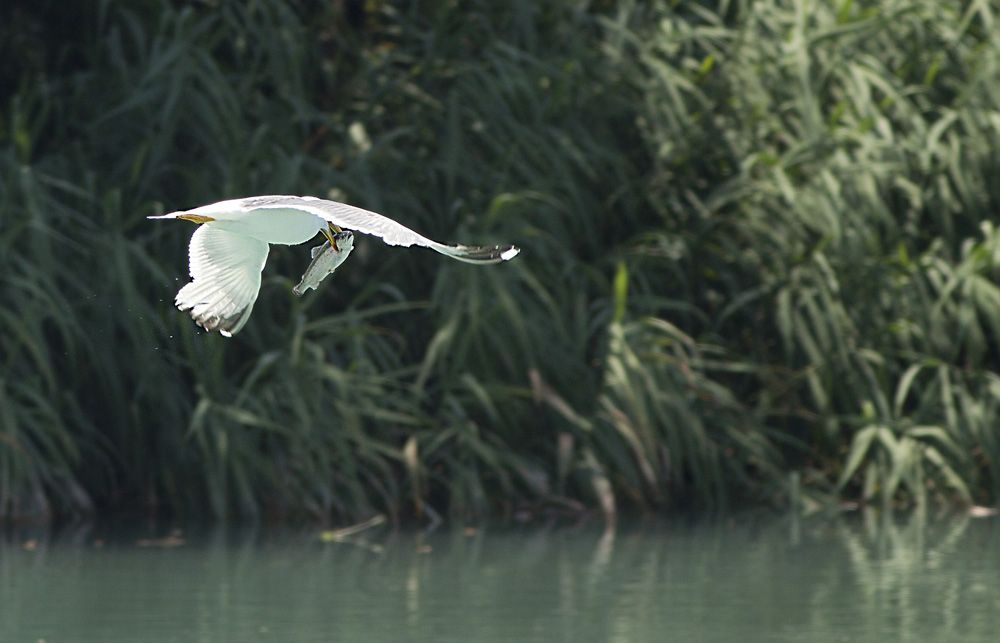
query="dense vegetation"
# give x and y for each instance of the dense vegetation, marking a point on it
(757, 239)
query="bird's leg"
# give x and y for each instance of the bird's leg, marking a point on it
(329, 231)
(329, 237)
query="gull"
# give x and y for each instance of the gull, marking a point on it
(229, 248)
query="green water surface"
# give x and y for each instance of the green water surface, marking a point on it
(844, 579)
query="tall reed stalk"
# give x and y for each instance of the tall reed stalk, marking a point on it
(756, 238)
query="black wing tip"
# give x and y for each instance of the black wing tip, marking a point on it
(228, 325)
(485, 254)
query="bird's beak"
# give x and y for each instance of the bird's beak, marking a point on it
(197, 218)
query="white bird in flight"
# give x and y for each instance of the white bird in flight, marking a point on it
(229, 248)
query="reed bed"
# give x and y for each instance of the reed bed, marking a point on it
(757, 239)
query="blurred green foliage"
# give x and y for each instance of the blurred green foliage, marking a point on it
(757, 238)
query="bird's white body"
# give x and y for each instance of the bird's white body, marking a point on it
(229, 249)
(285, 226)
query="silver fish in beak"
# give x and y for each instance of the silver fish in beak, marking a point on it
(325, 259)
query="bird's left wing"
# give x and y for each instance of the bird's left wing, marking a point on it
(225, 272)
(368, 222)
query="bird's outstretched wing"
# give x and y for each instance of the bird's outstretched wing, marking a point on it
(225, 272)
(367, 222)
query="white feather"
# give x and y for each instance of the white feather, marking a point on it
(225, 268)
(393, 233)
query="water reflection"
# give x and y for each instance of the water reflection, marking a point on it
(867, 579)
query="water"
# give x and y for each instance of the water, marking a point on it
(729, 580)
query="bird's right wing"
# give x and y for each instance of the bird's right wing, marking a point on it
(225, 272)
(392, 232)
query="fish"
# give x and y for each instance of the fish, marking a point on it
(325, 259)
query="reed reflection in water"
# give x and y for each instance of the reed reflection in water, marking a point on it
(867, 579)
